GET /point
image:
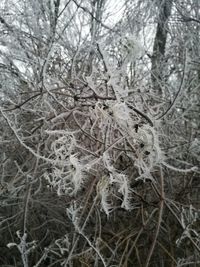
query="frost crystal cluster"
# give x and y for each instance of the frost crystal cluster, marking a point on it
(99, 133)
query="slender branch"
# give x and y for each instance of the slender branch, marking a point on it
(23, 103)
(141, 114)
(85, 9)
(178, 92)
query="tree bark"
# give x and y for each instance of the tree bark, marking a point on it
(159, 46)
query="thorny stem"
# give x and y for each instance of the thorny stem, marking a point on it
(162, 193)
(138, 236)
(85, 222)
(178, 220)
(26, 207)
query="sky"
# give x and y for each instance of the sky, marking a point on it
(115, 8)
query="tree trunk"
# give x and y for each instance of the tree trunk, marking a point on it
(159, 46)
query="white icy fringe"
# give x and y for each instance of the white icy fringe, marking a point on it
(109, 123)
(103, 193)
(123, 186)
(193, 261)
(67, 174)
(24, 247)
(189, 216)
(77, 175)
(119, 181)
(67, 179)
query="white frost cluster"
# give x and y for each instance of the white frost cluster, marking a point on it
(103, 192)
(188, 218)
(67, 179)
(131, 47)
(118, 181)
(122, 183)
